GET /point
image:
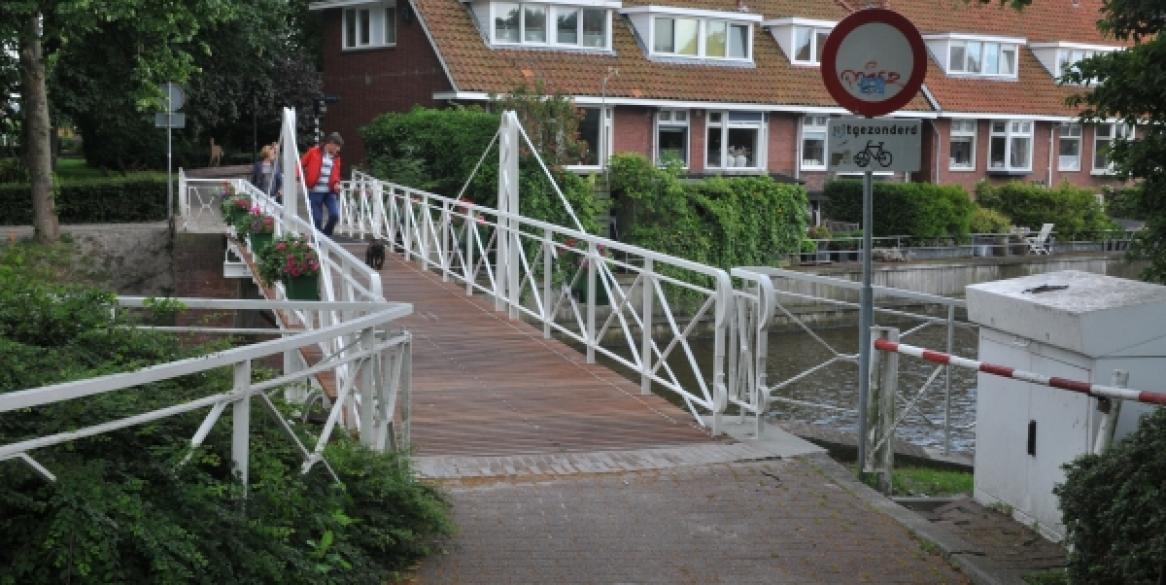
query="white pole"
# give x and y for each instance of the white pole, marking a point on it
(287, 167)
(241, 422)
(508, 244)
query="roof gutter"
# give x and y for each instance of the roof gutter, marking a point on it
(589, 100)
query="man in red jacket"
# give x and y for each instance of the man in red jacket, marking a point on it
(322, 176)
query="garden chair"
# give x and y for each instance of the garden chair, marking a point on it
(1039, 244)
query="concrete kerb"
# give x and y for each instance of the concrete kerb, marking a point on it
(955, 549)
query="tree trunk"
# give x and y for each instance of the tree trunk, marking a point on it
(37, 151)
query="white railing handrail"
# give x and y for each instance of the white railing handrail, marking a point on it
(368, 318)
(631, 249)
(510, 256)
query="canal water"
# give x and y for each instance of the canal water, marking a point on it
(793, 352)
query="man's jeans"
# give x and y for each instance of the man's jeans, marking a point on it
(318, 201)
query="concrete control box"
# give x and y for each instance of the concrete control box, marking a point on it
(1070, 324)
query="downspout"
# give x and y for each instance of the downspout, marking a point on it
(797, 148)
(1050, 175)
(934, 128)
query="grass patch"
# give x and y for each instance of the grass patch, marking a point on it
(76, 169)
(914, 480)
(1047, 577)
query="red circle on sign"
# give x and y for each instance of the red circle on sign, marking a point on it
(829, 65)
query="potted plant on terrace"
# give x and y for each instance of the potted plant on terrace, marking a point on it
(234, 206)
(294, 262)
(258, 226)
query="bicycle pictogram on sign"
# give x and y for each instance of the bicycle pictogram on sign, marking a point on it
(875, 152)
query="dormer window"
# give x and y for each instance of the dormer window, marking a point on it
(971, 55)
(1058, 58)
(694, 34)
(554, 25)
(801, 39)
(982, 58)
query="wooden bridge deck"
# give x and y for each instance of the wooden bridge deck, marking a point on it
(484, 385)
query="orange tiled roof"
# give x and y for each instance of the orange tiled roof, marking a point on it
(475, 67)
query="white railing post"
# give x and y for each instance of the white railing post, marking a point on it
(288, 165)
(471, 235)
(723, 314)
(1111, 410)
(241, 422)
(407, 208)
(183, 199)
(880, 413)
(548, 274)
(446, 217)
(367, 391)
(647, 296)
(592, 334)
(509, 244)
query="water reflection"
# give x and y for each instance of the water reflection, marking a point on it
(837, 385)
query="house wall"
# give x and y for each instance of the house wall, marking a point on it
(373, 81)
(632, 128)
(783, 143)
(1043, 171)
(697, 138)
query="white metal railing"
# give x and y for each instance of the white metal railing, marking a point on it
(378, 355)
(770, 292)
(646, 292)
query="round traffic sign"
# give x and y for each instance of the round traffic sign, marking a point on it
(874, 62)
(175, 97)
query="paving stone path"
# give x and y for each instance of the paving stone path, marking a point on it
(778, 522)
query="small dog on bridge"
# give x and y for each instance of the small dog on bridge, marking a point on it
(374, 255)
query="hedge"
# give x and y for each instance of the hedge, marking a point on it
(112, 200)
(722, 222)
(436, 150)
(921, 210)
(1114, 512)
(1074, 210)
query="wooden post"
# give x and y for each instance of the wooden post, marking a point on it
(880, 414)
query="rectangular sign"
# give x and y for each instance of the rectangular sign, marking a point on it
(874, 144)
(165, 120)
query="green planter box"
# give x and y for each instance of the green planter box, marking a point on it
(302, 288)
(260, 243)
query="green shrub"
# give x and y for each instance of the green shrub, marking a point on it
(1124, 203)
(123, 508)
(920, 210)
(1074, 210)
(989, 221)
(106, 200)
(723, 222)
(436, 150)
(1114, 510)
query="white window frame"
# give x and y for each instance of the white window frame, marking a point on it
(702, 32)
(551, 38)
(813, 126)
(1013, 129)
(815, 49)
(669, 119)
(606, 127)
(984, 46)
(377, 18)
(959, 129)
(1069, 131)
(1117, 131)
(760, 156)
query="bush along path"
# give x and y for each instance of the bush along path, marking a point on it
(123, 510)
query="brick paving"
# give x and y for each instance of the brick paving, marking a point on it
(778, 522)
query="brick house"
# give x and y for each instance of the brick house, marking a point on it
(730, 86)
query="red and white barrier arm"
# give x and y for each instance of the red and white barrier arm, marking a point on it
(1006, 372)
